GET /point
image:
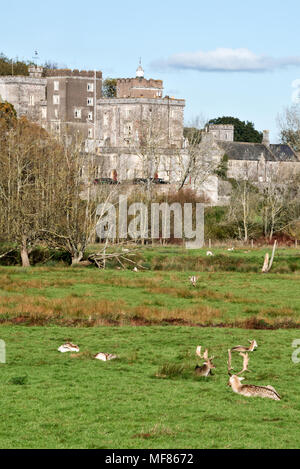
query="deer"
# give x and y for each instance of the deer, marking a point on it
(205, 370)
(251, 390)
(105, 356)
(68, 347)
(241, 348)
(193, 280)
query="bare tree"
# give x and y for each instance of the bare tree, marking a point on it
(198, 162)
(289, 126)
(26, 176)
(279, 202)
(244, 208)
(73, 225)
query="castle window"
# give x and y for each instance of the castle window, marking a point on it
(56, 113)
(31, 100)
(90, 133)
(56, 86)
(90, 116)
(90, 102)
(90, 87)
(55, 99)
(44, 112)
(77, 113)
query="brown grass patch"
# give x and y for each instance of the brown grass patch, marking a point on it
(282, 312)
(90, 311)
(157, 431)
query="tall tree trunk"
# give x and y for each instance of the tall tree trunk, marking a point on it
(77, 257)
(25, 253)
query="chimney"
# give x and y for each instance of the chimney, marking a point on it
(266, 138)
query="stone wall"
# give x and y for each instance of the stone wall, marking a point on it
(127, 121)
(25, 94)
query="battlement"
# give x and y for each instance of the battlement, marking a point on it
(22, 80)
(139, 87)
(72, 73)
(221, 127)
(151, 82)
(166, 101)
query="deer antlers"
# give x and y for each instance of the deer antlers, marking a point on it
(245, 362)
(205, 354)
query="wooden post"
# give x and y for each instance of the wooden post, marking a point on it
(209, 243)
(252, 243)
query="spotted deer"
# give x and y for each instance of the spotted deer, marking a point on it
(251, 390)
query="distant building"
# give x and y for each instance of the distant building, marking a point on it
(117, 130)
(63, 101)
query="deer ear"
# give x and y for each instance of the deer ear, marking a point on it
(241, 378)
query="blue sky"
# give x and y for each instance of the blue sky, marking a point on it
(225, 58)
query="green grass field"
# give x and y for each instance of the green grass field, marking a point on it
(149, 397)
(51, 400)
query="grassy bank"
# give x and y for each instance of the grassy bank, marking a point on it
(53, 400)
(89, 296)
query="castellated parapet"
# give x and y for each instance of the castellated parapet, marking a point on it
(139, 87)
(65, 72)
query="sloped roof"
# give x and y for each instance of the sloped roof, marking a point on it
(283, 152)
(246, 151)
(254, 151)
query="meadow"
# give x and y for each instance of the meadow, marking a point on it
(53, 400)
(153, 320)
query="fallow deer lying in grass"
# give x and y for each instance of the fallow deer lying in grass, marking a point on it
(193, 280)
(250, 390)
(105, 356)
(205, 370)
(241, 348)
(68, 347)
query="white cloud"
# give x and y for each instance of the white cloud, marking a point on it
(225, 60)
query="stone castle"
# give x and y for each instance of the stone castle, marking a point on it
(70, 102)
